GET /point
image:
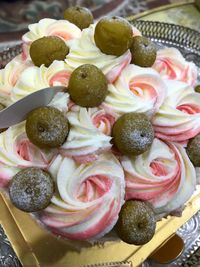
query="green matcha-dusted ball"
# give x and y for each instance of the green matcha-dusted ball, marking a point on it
(31, 189)
(88, 86)
(47, 49)
(80, 16)
(113, 36)
(133, 133)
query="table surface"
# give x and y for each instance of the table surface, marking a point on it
(186, 14)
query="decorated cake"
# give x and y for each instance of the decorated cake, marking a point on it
(119, 148)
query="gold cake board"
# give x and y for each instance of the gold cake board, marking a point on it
(36, 247)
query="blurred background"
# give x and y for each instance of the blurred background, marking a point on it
(15, 15)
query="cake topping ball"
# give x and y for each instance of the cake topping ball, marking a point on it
(133, 133)
(80, 16)
(197, 88)
(88, 86)
(113, 36)
(193, 150)
(31, 189)
(137, 223)
(47, 127)
(143, 51)
(47, 49)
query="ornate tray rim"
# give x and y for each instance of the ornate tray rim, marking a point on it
(10, 219)
(162, 8)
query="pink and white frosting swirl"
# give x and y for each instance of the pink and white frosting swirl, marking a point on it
(35, 78)
(60, 101)
(88, 198)
(102, 120)
(136, 90)
(16, 152)
(88, 134)
(49, 27)
(85, 51)
(172, 65)
(9, 77)
(163, 175)
(178, 119)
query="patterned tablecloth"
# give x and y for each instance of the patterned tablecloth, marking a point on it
(16, 15)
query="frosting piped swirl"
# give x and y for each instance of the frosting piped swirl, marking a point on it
(172, 66)
(9, 77)
(163, 175)
(136, 90)
(86, 206)
(87, 136)
(17, 152)
(178, 119)
(35, 78)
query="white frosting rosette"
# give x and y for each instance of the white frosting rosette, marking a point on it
(172, 65)
(60, 101)
(102, 120)
(178, 119)
(163, 175)
(88, 197)
(88, 136)
(49, 27)
(136, 90)
(17, 152)
(9, 77)
(35, 78)
(85, 51)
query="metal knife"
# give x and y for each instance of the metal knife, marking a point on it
(18, 111)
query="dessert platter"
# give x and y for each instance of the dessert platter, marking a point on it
(114, 157)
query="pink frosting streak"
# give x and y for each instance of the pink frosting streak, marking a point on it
(88, 206)
(114, 73)
(61, 77)
(31, 154)
(159, 175)
(103, 121)
(143, 188)
(172, 65)
(178, 119)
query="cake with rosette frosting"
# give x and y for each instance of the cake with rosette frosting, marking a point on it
(122, 163)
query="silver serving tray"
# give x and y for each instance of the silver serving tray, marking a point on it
(163, 34)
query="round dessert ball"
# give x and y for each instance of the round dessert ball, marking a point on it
(80, 16)
(47, 49)
(87, 86)
(31, 189)
(133, 133)
(143, 51)
(197, 88)
(136, 224)
(193, 150)
(113, 36)
(47, 127)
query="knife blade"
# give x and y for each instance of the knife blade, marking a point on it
(18, 111)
